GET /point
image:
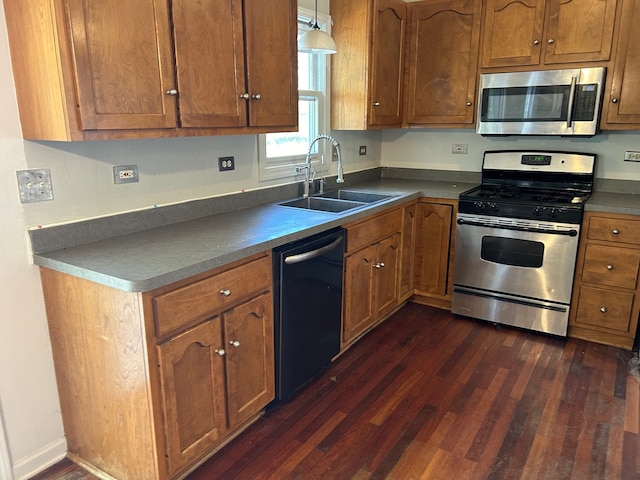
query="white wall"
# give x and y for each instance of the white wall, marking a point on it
(431, 149)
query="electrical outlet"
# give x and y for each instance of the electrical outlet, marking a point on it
(125, 174)
(631, 156)
(226, 163)
(459, 148)
(363, 150)
(35, 185)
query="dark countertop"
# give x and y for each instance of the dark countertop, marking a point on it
(155, 257)
(609, 202)
(145, 260)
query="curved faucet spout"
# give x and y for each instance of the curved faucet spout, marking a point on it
(307, 166)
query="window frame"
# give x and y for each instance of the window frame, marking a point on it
(285, 167)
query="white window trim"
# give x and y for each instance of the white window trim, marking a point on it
(285, 167)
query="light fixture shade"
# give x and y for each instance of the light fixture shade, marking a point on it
(317, 41)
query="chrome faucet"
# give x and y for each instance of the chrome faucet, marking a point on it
(308, 177)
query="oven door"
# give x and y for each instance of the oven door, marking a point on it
(514, 271)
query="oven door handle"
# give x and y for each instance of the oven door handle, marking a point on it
(570, 233)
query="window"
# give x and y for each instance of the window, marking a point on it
(280, 153)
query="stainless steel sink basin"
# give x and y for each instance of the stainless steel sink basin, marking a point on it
(355, 196)
(333, 205)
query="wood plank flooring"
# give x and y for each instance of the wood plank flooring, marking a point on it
(428, 395)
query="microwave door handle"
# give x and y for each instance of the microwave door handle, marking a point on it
(571, 96)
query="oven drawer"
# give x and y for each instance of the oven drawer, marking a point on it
(604, 309)
(614, 230)
(614, 266)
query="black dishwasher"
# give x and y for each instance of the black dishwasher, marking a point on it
(307, 308)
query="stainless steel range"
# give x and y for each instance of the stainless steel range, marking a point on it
(517, 238)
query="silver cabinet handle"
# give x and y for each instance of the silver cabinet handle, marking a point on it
(173, 92)
(536, 42)
(220, 352)
(244, 96)
(376, 104)
(609, 267)
(468, 104)
(550, 41)
(234, 343)
(225, 292)
(603, 309)
(614, 100)
(378, 265)
(615, 231)
(256, 96)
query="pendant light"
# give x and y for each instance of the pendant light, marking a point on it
(316, 40)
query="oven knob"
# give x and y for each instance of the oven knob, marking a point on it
(554, 212)
(480, 206)
(538, 211)
(494, 207)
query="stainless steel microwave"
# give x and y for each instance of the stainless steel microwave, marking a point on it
(548, 102)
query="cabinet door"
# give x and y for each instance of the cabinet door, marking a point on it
(209, 48)
(387, 276)
(123, 63)
(406, 254)
(623, 104)
(272, 67)
(579, 31)
(248, 335)
(193, 394)
(359, 292)
(387, 54)
(433, 239)
(442, 61)
(512, 32)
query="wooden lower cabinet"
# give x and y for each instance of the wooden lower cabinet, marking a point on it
(194, 366)
(606, 292)
(408, 250)
(153, 383)
(371, 273)
(435, 238)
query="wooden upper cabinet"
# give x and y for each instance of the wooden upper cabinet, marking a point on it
(366, 85)
(511, 32)
(533, 32)
(621, 108)
(123, 63)
(272, 62)
(88, 70)
(210, 68)
(441, 64)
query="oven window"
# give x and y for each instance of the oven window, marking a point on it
(512, 251)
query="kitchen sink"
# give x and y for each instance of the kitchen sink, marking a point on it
(336, 201)
(333, 205)
(355, 196)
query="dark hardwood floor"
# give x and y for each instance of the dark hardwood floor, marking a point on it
(431, 396)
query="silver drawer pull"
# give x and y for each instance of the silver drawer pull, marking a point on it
(615, 231)
(220, 351)
(603, 309)
(225, 292)
(234, 343)
(609, 267)
(378, 265)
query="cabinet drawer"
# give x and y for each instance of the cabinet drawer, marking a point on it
(370, 231)
(613, 266)
(606, 309)
(614, 230)
(199, 300)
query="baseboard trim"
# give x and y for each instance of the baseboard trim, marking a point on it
(39, 460)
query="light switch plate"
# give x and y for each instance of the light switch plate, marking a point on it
(35, 185)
